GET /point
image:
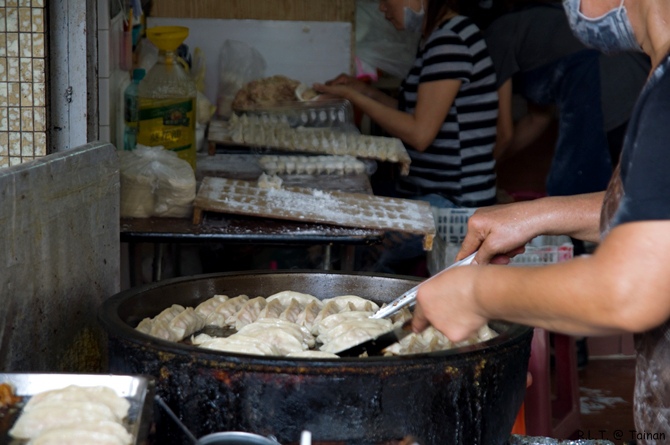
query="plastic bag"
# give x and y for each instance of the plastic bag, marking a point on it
(204, 108)
(379, 44)
(155, 182)
(239, 64)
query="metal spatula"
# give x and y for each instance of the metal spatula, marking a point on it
(409, 297)
(377, 344)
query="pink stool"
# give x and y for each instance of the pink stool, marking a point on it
(557, 418)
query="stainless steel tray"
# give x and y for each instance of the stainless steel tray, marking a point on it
(137, 389)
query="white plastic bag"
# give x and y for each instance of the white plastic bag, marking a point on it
(155, 182)
(379, 44)
(239, 64)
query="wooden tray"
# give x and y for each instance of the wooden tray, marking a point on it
(310, 205)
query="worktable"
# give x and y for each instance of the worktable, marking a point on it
(237, 229)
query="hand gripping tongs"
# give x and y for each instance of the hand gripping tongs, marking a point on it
(377, 344)
(409, 297)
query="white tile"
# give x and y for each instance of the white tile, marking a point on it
(25, 24)
(4, 119)
(103, 14)
(104, 100)
(14, 115)
(103, 54)
(27, 148)
(38, 44)
(25, 44)
(12, 19)
(14, 144)
(12, 44)
(40, 144)
(13, 69)
(38, 20)
(26, 69)
(39, 94)
(27, 119)
(27, 95)
(3, 13)
(39, 119)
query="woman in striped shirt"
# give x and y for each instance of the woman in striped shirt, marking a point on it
(447, 107)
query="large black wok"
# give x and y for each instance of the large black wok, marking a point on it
(468, 395)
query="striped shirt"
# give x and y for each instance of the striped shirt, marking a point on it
(459, 163)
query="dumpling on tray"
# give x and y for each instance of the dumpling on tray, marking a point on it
(286, 296)
(206, 307)
(241, 344)
(334, 320)
(352, 332)
(247, 314)
(358, 303)
(287, 337)
(32, 423)
(98, 394)
(221, 313)
(91, 433)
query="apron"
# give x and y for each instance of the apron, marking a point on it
(651, 401)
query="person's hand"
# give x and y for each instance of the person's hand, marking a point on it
(447, 302)
(498, 232)
(342, 85)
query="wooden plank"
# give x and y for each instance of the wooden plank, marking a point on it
(309, 205)
(302, 10)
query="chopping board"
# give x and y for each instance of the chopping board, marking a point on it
(357, 210)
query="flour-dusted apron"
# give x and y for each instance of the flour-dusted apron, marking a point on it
(652, 374)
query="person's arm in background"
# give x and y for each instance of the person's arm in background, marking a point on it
(513, 137)
(505, 123)
(528, 129)
(363, 88)
(419, 129)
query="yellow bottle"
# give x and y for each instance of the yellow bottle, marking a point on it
(167, 98)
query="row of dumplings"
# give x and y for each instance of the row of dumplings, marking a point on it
(311, 165)
(74, 414)
(251, 130)
(291, 324)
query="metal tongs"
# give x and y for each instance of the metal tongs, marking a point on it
(409, 297)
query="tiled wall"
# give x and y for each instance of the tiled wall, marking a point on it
(22, 81)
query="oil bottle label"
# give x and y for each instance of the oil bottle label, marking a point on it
(170, 123)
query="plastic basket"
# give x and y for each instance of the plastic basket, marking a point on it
(452, 225)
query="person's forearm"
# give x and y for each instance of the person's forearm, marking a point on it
(527, 130)
(600, 294)
(577, 216)
(502, 229)
(381, 97)
(395, 122)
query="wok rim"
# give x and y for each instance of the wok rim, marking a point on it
(108, 316)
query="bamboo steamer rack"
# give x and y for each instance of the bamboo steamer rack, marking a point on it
(356, 210)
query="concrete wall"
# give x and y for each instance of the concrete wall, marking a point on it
(59, 259)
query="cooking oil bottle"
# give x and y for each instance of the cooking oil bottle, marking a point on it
(167, 98)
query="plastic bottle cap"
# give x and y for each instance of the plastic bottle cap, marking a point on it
(167, 38)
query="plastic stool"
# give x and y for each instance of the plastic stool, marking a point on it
(557, 418)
